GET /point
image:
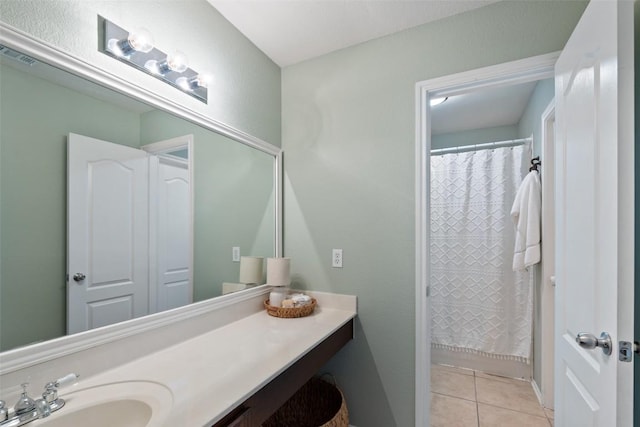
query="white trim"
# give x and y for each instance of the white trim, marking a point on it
(510, 73)
(537, 391)
(176, 162)
(278, 172)
(173, 144)
(525, 70)
(31, 355)
(154, 167)
(423, 311)
(547, 300)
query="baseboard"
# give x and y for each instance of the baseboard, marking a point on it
(537, 391)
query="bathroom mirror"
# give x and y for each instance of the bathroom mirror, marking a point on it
(235, 188)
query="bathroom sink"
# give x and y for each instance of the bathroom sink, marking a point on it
(126, 404)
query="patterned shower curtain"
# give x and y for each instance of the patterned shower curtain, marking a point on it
(478, 304)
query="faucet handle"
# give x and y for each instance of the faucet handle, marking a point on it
(50, 395)
(25, 403)
(66, 380)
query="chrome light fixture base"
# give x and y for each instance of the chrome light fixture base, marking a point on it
(114, 37)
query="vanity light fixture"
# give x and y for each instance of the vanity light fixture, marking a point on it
(136, 49)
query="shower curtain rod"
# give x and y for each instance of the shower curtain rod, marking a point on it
(475, 147)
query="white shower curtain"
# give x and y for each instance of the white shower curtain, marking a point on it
(478, 304)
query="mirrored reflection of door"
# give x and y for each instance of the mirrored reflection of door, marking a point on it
(171, 223)
(108, 187)
(174, 287)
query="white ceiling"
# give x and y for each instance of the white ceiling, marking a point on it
(291, 31)
(501, 106)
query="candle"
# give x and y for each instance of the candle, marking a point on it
(278, 271)
(251, 269)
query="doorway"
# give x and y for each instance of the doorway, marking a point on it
(499, 77)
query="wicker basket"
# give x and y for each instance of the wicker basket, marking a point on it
(291, 312)
(317, 404)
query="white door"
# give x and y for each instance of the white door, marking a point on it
(171, 210)
(173, 235)
(107, 233)
(594, 202)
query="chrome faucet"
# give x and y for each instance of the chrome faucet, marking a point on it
(27, 409)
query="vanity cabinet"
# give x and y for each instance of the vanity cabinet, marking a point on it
(259, 407)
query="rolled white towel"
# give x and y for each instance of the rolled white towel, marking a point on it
(288, 303)
(300, 300)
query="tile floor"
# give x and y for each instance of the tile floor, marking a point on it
(466, 398)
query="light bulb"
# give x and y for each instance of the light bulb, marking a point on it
(139, 40)
(177, 61)
(154, 67)
(204, 80)
(190, 84)
(186, 84)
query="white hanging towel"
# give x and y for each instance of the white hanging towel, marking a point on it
(525, 214)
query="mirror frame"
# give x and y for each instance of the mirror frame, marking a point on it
(30, 355)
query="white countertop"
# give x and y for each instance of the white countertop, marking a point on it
(215, 372)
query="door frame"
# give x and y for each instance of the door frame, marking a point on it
(547, 279)
(509, 73)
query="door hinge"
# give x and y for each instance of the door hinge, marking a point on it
(627, 349)
(428, 291)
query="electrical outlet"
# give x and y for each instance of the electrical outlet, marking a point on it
(235, 257)
(336, 258)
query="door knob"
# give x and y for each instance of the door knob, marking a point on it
(590, 341)
(79, 277)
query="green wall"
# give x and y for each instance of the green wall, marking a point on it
(234, 203)
(35, 119)
(349, 138)
(475, 136)
(245, 92)
(530, 122)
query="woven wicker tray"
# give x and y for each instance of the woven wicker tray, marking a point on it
(290, 313)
